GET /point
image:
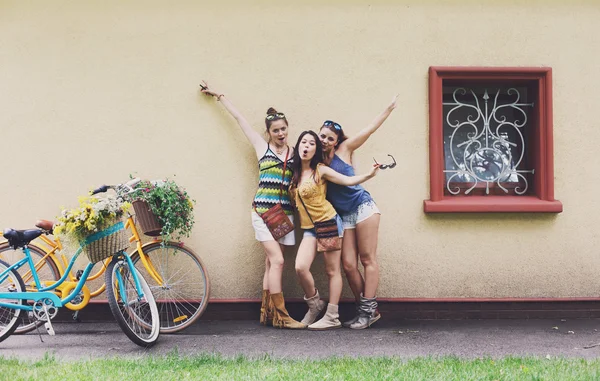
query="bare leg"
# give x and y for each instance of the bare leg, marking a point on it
(267, 269)
(332, 267)
(350, 263)
(331, 318)
(367, 235)
(275, 268)
(304, 259)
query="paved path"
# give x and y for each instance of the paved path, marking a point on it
(466, 338)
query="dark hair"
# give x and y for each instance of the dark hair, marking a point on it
(339, 132)
(272, 111)
(297, 163)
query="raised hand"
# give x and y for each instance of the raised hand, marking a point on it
(206, 90)
(394, 103)
(374, 170)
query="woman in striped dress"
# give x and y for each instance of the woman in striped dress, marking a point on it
(275, 173)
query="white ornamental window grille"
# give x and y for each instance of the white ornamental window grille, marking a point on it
(485, 139)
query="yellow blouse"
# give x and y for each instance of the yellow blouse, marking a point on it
(313, 195)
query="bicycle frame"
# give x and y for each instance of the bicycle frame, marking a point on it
(45, 292)
(130, 224)
(54, 246)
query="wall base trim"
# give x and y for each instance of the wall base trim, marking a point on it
(394, 308)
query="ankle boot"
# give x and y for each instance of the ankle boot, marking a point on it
(281, 317)
(315, 306)
(367, 314)
(347, 323)
(270, 311)
(264, 307)
(329, 321)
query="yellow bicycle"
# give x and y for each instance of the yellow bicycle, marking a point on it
(176, 275)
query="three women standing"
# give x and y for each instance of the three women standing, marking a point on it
(358, 215)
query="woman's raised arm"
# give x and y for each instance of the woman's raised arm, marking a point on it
(257, 141)
(336, 177)
(354, 142)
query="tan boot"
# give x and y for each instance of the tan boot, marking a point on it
(270, 311)
(264, 307)
(331, 320)
(315, 306)
(281, 318)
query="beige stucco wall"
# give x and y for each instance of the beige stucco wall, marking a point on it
(91, 91)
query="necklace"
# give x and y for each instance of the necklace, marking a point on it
(280, 151)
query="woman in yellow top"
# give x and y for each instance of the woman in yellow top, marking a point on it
(308, 190)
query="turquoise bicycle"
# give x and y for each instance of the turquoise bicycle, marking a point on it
(129, 296)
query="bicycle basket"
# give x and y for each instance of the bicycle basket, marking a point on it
(106, 243)
(148, 222)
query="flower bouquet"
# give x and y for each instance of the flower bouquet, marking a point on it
(96, 225)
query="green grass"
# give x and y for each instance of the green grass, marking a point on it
(213, 367)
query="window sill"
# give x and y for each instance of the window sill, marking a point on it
(492, 204)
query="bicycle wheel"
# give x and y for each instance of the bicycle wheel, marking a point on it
(47, 271)
(138, 318)
(9, 317)
(184, 294)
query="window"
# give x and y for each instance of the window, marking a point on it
(490, 140)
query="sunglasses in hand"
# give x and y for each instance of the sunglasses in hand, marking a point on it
(386, 166)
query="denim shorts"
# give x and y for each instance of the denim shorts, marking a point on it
(340, 226)
(364, 211)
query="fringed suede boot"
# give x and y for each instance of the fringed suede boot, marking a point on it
(264, 306)
(281, 317)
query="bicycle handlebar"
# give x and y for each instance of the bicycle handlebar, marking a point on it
(121, 189)
(101, 189)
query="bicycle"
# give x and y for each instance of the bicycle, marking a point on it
(129, 296)
(177, 276)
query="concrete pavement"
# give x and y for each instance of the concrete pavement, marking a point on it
(406, 339)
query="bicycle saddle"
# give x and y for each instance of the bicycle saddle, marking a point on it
(20, 238)
(45, 225)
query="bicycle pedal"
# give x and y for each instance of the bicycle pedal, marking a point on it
(79, 274)
(180, 318)
(49, 328)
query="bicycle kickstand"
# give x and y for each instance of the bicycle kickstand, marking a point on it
(48, 324)
(37, 328)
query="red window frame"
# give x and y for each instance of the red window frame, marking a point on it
(541, 151)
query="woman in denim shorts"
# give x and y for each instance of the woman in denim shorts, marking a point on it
(308, 189)
(360, 217)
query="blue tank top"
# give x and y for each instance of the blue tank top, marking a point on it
(345, 199)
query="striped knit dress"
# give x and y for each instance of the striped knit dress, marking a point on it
(269, 181)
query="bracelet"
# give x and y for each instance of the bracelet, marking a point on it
(219, 97)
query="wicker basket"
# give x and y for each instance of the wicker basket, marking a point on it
(146, 219)
(106, 243)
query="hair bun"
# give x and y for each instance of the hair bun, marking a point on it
(271, 111)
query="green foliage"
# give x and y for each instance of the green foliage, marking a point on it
(171, 205)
